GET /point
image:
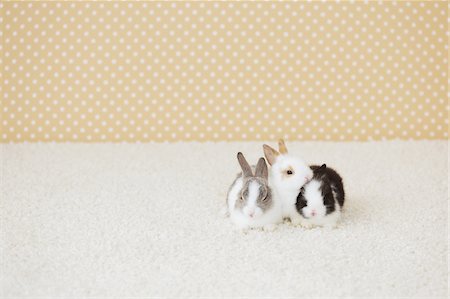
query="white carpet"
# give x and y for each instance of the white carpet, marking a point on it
(91, 220)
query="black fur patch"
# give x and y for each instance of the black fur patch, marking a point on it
(331, 187)
(333, 180)
(301, 201)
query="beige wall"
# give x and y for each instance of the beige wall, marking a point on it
(135, 71)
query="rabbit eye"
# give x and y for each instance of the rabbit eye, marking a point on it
(242, 198)
(289, 172)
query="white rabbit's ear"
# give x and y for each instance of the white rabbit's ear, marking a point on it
(270, 153)
(261, 169)
(246, 169)
(282, 147)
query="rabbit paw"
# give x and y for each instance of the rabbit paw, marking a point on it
(241, 228)
(331, 226)
(269, 227)
(306, 224)
(296, 221)
(224, 212)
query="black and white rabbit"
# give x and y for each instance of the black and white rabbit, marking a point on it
(320, 201)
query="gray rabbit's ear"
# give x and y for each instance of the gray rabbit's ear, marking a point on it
(261, 169)
(246, 169)
(270, 153)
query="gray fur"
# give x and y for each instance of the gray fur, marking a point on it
(261, 169)
(246, 169)
(238, 176)
(264, 201)
(259, 175)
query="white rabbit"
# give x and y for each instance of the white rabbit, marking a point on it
(287, 176)
(249, 201)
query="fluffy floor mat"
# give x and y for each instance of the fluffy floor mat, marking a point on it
(91, 220)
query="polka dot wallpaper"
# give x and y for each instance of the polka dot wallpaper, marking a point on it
(221, 71)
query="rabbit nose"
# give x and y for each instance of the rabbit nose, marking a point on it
(251, 213)
(313, 213)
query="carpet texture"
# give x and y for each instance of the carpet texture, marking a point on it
(91, 220)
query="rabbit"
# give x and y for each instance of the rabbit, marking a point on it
(249, 200)
(287, 175)
(320, 201)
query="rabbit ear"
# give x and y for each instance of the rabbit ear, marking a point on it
(261, 169)
(246, 169)
(282, 146)
(270, 153)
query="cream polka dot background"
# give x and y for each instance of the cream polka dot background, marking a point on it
(179, 71)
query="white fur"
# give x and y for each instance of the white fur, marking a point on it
(234, 193)
(314, 199)
(251, 208)
(287, 188)
(242, 219)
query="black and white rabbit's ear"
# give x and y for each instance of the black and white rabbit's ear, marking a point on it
(324, 166)
(270, 153)
(282, 147)
(246, 169)
(261, 169)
